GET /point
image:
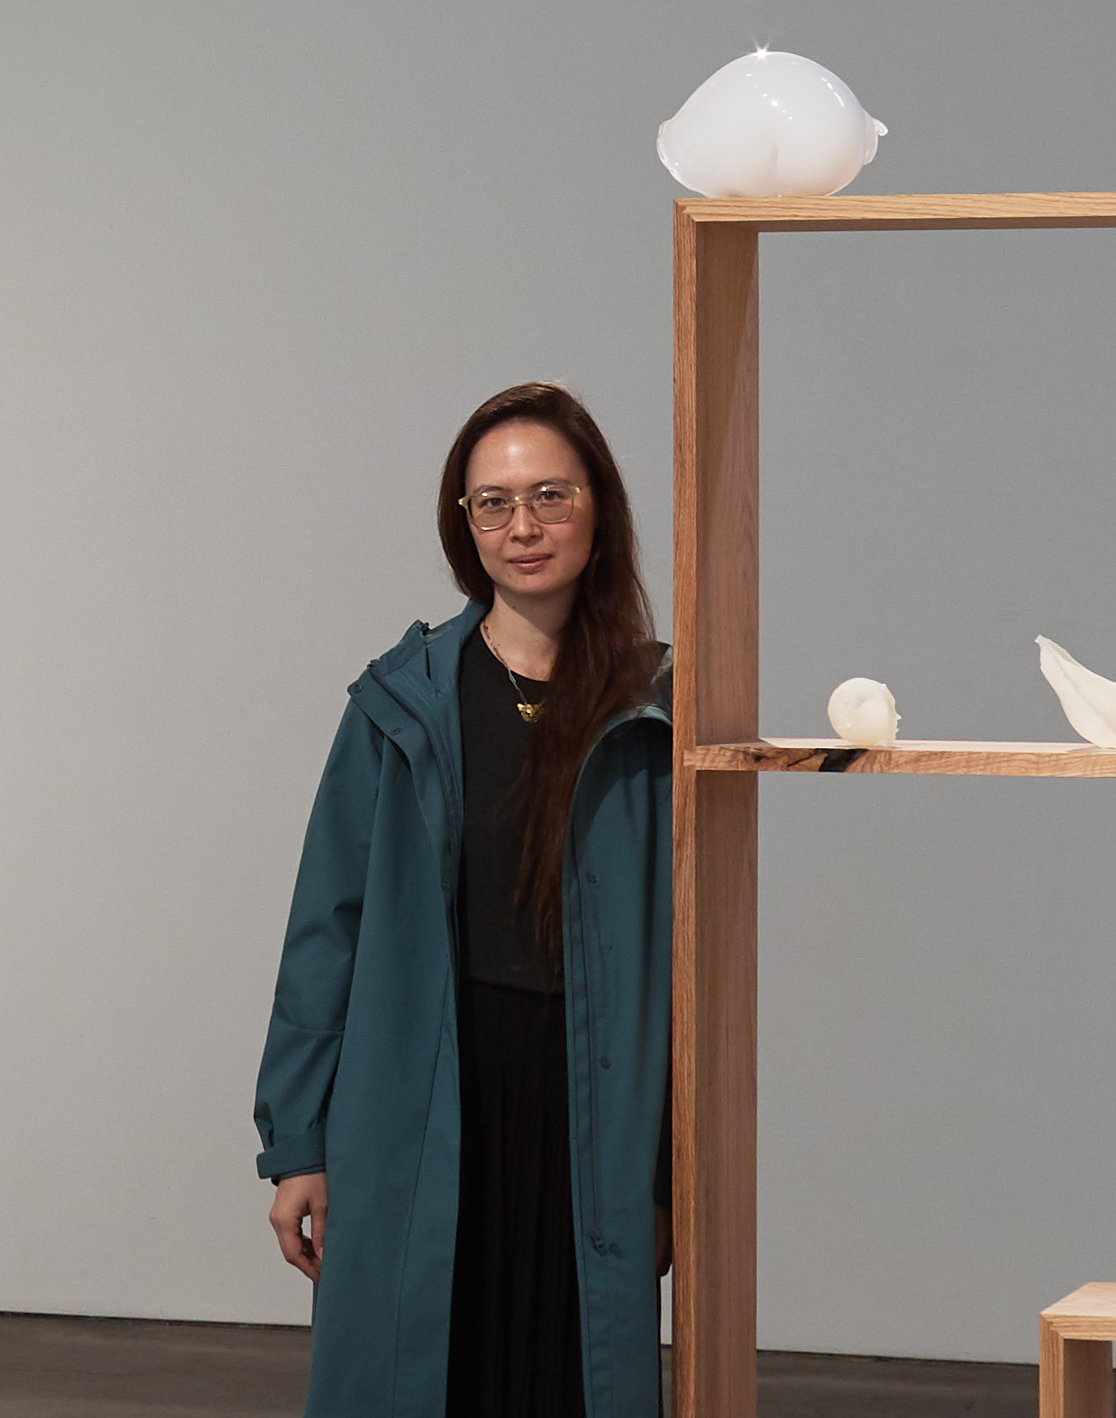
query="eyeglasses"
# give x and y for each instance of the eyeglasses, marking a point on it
(491, 509)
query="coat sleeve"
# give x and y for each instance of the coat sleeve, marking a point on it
(316, 968)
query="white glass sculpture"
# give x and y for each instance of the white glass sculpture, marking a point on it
(1088, 699)
(769, 124)
(862, 712)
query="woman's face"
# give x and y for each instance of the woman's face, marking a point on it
(528, 558)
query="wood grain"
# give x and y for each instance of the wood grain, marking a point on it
(1088, 1313)
(1075, 1354)
(1051, 1371)
(1075, 1376)
(917, 211)
(1018, 760)
(1086, 1378)
(715, 696)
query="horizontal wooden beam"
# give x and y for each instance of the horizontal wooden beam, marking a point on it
(958, 211)
(1022, 760)
(1089, 1313)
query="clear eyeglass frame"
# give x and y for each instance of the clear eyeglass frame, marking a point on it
(544, 512)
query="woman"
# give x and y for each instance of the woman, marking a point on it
(468, 1052)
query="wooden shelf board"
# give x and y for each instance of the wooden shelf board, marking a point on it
(1025, 760)
(916, 211)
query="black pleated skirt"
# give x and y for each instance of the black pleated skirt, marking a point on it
(515, 1331)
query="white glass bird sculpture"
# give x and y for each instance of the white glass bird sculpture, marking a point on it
(1088, 699)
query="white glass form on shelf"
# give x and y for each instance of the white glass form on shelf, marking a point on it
(1088, 699)
(862, 712)
(769, 124)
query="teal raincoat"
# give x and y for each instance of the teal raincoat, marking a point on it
(359, 1073)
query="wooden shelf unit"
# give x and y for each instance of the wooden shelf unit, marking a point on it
(716, 735)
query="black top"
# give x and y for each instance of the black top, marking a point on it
(498, 944)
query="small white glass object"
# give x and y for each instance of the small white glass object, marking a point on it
(770, 124)
(862, 712)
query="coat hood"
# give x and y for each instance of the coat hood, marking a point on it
(423, 665)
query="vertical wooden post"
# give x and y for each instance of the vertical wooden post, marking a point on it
(716, 630)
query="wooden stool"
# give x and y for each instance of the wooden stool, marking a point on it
(1075, 1354)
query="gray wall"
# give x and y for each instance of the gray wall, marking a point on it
(257, 262)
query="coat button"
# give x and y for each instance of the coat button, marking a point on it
(614, 1249)
(356, 688)
(606, 1063)
(592, 877)
(445, 883)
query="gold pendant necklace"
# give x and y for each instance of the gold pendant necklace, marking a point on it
(529, 712)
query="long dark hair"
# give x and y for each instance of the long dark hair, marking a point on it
(608, 653)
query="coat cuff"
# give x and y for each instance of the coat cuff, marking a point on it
(302, 1172)
(294, 1154)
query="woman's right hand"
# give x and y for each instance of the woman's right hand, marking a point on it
(296, 1197)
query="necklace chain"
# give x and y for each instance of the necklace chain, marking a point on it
(529, 712)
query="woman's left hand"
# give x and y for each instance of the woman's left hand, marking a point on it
(664, 1245)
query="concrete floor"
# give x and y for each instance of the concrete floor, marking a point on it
(61, 1367)
(54, 1366)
